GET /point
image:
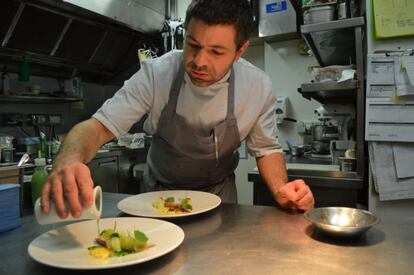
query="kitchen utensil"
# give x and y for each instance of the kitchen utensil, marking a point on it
(341, 221)
(93, 212)
(25, 158)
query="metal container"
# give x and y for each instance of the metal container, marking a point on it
(297, 150)
(341, 221)
(347, 164)
(7, 155)
(320, 147)
(322, 132)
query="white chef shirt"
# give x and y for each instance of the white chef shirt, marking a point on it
(147, 92)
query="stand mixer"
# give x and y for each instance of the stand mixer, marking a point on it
(336, 123)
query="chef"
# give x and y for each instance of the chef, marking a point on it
(201, 103)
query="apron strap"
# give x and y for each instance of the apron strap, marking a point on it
(176, 87)
(230, 97)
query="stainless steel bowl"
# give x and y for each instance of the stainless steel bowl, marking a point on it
(341, 221)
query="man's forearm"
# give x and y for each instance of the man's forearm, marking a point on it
(82, 142)
(273, 171)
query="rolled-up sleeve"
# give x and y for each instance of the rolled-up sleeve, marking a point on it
(130, 103)
(262, 139)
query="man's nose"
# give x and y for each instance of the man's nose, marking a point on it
(200, 58)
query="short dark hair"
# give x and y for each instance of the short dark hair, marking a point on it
(223, 12)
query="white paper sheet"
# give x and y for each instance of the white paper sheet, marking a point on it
(388, 121)
(389, 186)
(403, 158)
(402, 66)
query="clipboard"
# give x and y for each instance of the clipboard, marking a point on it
(388, 117)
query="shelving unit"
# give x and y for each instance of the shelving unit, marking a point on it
(335, 42)
(340, 42)
(37, 99)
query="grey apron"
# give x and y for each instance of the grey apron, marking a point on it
(186, 158)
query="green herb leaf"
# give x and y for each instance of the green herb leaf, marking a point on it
(169, 199)
(139, 236)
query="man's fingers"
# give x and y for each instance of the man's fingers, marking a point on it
(306, 202)
(72, 195)
(299, 195)
(85, 186)
(288, 191)
(57, 195)
(45, 198)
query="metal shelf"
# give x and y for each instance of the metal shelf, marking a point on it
(330, 92)
(340, 42)
(333, 43)
(333, 25)
(37, 99)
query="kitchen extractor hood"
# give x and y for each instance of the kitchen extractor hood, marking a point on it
(60, 36)
(141, 15)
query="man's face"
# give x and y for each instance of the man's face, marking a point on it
(209, 51)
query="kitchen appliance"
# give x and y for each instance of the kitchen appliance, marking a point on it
(277, 18)
(336, 122)
(101, 26)
(29, 145)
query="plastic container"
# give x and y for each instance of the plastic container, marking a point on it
(319, 14)
(38, 178)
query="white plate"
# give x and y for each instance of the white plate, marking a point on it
(141, 205)
(67, 246)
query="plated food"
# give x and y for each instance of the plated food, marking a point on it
(116, 243)
(67, 246)
(143, 204)
(171, 205)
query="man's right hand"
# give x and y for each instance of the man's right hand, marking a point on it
(65, 186)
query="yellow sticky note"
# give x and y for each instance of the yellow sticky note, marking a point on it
(397, 99)
(393, 18)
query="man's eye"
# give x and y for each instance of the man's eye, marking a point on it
(217, 53)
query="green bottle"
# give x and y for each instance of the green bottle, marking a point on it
(24, 74)
(38, 178)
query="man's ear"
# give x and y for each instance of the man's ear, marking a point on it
(242, 49)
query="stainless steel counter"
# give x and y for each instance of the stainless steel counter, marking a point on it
(239, 239)
(329, 186)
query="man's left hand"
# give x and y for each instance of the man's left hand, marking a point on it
(295, 195)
